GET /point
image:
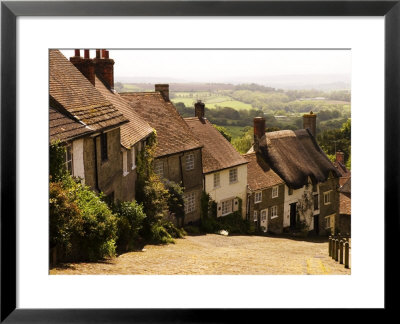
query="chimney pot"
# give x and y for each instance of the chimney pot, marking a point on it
(104, 68)
(163, 89)
(103, 53)
(107, 55)
(310, 122)
(97, 53)
(87, 54)
(259, 131)
(340, 157)
(77, 52)
(199, 108)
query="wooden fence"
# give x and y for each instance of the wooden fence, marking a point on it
(339, 249)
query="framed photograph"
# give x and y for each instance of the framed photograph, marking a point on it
(198, 41)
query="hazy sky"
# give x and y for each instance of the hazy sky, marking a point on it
(236, 66)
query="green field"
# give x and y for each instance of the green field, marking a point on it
(212, 100)
(235, 131)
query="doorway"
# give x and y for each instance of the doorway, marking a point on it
(293, 215)
(316, 224)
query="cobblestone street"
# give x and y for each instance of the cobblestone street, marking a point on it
(216, 254)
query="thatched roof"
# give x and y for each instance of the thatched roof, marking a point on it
(295, 156)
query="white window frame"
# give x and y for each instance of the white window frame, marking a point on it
(125, 163)
(190, 202)
(69, 148)
(133, 158)
(274, 212)
(159, 168)
(327, 197)
(233, 176)
(275, 191)
(217, 180)
(255, 216)
(264, 217)
(189, 162)
(328, 222)
(257, 197)
(228, 204)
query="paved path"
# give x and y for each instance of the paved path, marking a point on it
(217, 254)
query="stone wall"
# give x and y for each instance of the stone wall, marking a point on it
(332, 184)
(275, 225)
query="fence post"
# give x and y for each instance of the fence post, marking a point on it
(333, 247)
(337, 250)
(330, 245)
(346, 254)
(341, 252)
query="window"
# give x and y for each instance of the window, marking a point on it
(327, 197)
(258, 197)
(133, 158)
(190, 204)
(227, 207)
(125, 162)
(159, 168)
(329, 220)
(103, 146)
(189, 162)
(216, 180)
(275, 192)
(274, 212)
(68, 158)
(316, 202)
(255, 216)
(233, 176)
(264, 215)
(290, 191)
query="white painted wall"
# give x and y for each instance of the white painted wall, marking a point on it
(77, 159)
(227, 190)
(289, 199)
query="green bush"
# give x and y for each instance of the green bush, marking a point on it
(191, 229)
(81, 225)
(159, 235)
(130, 217)
(172, 230)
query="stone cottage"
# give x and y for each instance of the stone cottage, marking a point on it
(178, 155)
(100, 72)
(224, 169)
(88, 125)
(266, 195)
(311, 180)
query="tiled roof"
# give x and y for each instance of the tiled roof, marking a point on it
(295, 156)
(217, 153)
(342, 169)
(173, 134)
(137, 128)
(64, 128)
(346, 186)
(345, 204)
(78, 96)
(259, 173)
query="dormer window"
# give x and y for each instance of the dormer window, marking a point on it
(275, 191)
(258, 197)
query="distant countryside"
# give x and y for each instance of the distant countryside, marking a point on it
(231, 108)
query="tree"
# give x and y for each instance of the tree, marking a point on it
(224, 132)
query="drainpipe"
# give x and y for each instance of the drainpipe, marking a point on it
(96, 183)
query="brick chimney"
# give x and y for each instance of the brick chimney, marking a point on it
(259, 131)
(199, 108)
(310, 122)
(84, 65)
(340, 157)
(163, 89)
(104, 67)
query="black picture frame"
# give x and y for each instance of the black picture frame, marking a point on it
(11, 10)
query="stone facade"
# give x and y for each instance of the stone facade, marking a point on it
(328, 209)
(174, 168)
(272, 224)
(104, 174)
